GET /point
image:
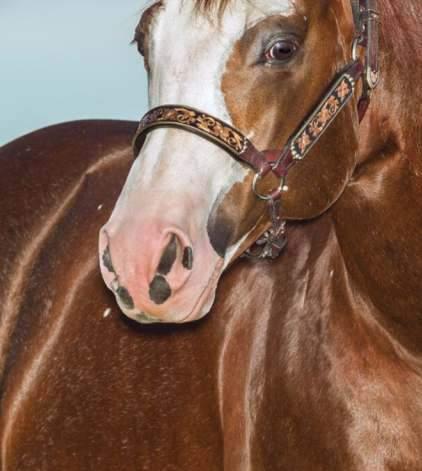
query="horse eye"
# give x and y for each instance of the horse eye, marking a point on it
(281, 51)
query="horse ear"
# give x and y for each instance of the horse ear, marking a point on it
(139, 39)
(142, 28)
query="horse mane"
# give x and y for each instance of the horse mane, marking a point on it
(401, 58)
(210, 6)
(401, 33)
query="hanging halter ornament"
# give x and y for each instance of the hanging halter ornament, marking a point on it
(339, 93)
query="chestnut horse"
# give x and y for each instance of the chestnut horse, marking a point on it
(311, 361)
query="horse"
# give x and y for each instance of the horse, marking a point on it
(305, 358)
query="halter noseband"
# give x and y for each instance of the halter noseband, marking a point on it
(340, 92)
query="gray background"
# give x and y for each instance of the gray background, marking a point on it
(64, 60)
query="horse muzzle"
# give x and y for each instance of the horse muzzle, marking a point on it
(158, 274)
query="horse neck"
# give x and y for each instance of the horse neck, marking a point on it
(378, 218)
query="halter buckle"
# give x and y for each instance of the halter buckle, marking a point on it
(367, 38)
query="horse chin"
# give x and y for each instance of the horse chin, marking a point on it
(189, 308)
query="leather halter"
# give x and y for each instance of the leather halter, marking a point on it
(339, 93)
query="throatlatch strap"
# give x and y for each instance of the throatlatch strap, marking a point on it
(356, 16)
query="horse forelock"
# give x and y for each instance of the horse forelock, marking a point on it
(210, 5)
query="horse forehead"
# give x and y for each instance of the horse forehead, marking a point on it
(238, 15)
(179, 23)
(190, 51)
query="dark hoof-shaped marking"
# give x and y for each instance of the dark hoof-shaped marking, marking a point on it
(168, 258)
(125, 297)
(188, 258)
(107, 260)
(159, 290)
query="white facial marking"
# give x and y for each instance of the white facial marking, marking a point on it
(179, 179)
(188, 54)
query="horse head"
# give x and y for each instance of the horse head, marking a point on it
(187, 209)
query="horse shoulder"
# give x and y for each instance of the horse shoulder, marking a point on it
(42, 175)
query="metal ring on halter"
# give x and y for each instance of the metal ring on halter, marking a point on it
(371, 77)
(281, 187)
(356, 44)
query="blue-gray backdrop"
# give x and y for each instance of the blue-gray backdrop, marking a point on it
(66, 60)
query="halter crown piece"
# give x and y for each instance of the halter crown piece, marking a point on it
(339, 93)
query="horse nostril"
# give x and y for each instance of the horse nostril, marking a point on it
(169, 257)
(187, 261)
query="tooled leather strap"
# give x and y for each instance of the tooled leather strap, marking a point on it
(201, 123)
(238, 145)
(337, 97)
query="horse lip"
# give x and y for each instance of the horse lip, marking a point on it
(145, 318)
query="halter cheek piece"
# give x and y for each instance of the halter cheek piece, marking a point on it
(340, 92)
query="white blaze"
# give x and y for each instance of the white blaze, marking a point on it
(188, 53)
